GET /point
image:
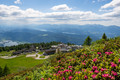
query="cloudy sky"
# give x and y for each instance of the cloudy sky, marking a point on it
(80, 12)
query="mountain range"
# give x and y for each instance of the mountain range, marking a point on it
(63, 33)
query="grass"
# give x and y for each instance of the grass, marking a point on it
(19, 63)
(40, 52)
(5, 53)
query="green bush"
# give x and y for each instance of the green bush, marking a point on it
(36, 55)
(42, 56)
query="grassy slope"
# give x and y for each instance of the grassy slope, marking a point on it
(19, 63)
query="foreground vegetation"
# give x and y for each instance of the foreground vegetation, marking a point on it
(100, 61)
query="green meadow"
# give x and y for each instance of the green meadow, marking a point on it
(19, 63)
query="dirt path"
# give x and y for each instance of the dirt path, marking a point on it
(38, 58)
(8, 57)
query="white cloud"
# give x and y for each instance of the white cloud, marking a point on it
(62, 7)
(113, 3)
(17, 2)
(15, 15)
(112, 8)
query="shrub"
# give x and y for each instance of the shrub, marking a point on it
(42, 56)
(36, 55)
(6, 71)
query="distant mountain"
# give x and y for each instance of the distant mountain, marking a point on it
(64, 33)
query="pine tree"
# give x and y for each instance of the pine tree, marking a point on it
(104, 36)
(6, 71)
(87, 41)
(1, 72)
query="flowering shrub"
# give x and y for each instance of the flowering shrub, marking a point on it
(89, 63)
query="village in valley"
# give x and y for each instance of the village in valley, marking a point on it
(41, 53)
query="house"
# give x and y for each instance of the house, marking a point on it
(49, 51)
(61, 48)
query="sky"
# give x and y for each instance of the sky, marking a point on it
(79, 12)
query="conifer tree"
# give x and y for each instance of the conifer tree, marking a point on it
(104, 36)
(1, 72)
(6, 71)
(87, 41)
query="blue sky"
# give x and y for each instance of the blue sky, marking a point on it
(45, 5)
(104, 12)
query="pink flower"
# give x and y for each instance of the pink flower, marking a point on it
(85, 77)
(108, 53)
(90, 71)
(119, 60)
(69, 66)
(99, 53)
(62, 67)
(42, 78)
(77, 72)
(59, 61)
(63, 78)
(96, 71)
(95, 59)
(114, 73)
(94, 67)
(100, 56)
(83, 63)
(112, 77)
(113, 64)
(60, 72)
(105, 75)
(66, 70)
(94, 76)
(70, 77)
(103, 69)
(85, 70)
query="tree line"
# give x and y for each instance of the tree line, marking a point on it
(28, 46)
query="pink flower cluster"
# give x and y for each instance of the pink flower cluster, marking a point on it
(108, 76)
(99, 53)
(119, 60)
(61, 72)
(94, 76)
(96, 71)
(70, 77)
(63, 78)
(83, 63)
(114, 73)
(113, 64)
(69, 66)
(85, 77)
(95, 59)
(94, 67)
(103, 69)
(77, 72)
(108, 53)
